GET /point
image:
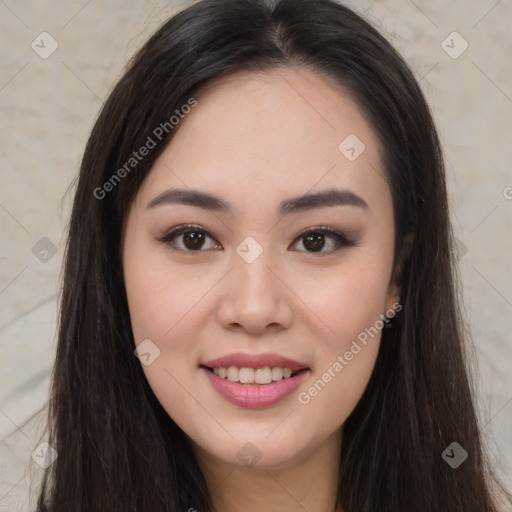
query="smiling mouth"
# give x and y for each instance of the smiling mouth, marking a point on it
(246, 375)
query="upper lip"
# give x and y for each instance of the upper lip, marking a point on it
(242, 360)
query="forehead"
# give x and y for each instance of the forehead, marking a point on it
(269, 134)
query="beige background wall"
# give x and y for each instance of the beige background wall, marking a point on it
(47, 110)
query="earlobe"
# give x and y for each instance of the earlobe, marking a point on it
(393, 305)
(393, 298)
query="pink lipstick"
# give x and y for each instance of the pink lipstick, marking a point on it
(287, 375)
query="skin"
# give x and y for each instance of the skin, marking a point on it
(254, 140)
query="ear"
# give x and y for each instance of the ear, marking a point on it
(394, 289)
(393, 296)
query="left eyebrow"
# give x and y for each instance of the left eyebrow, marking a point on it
(322, 199)
(332, 197)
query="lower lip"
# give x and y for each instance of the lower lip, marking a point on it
(255, 396)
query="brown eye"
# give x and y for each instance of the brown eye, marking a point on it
(190, 239)
(193, 240)
(315, 240)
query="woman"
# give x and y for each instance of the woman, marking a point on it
(259, 309)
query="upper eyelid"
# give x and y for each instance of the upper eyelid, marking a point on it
(320, 229)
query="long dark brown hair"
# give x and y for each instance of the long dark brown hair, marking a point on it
(118, 449)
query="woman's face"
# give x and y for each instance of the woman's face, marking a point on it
(268, 270)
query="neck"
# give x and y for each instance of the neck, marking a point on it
(309, 482)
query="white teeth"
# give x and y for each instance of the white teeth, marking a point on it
(246, 375)
(232, 374)
(263, 375)
(277, 373)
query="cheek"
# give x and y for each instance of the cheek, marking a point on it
(350, 306)
(160, 297)
(348, 301)
(162, 304)
(164, 309)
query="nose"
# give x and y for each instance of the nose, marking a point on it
(254, 298)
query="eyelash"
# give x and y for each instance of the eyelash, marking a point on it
(338, 236)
